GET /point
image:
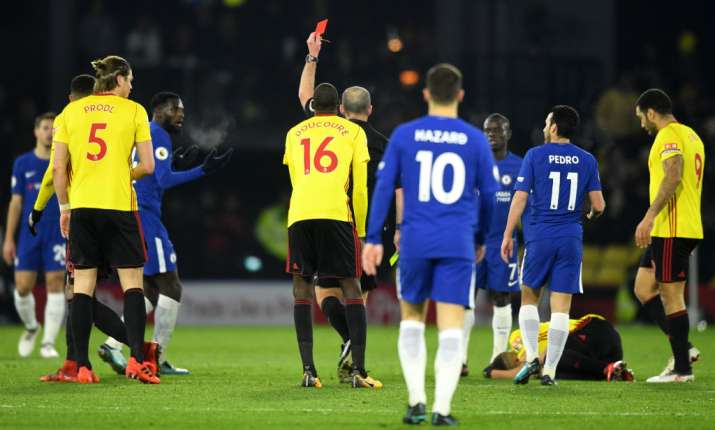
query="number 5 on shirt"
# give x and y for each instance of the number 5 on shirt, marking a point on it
(93, 138)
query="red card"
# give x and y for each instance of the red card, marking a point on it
(321, 27)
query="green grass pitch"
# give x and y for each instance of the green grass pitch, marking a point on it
(247, 378)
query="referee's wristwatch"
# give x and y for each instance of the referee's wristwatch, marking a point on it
(310, 59)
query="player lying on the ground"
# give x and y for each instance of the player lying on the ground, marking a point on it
(42, 250)
(162, 286)
(593, 351)
(356, 106)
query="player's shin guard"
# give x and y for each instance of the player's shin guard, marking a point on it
(25, 307)
(81, 327)
(468, 325)
(303, 319)
(413, 358)
(110, 324)
(357, 326)
(678, 326)
(558, 332)
(447, 365)
(135, 320)
(335, 312)
(116, 343)
(501, 326)
(69, 337)
(54, 316)
(529, 326)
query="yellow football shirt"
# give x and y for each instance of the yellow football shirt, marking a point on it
(100, 131)
(327, 155)
(681, 215)
(517, 346)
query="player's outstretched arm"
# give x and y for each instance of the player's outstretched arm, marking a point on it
(146, 166)
(518, 203)
(307, 78)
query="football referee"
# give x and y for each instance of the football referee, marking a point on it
(672, 226)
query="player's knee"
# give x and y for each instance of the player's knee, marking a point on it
(170, 286)
(301, 288)
(351, 288)
(23, 289)
(54, 282)
(500, 299)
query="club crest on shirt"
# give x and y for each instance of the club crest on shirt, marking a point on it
(506, 180)
(162, 153)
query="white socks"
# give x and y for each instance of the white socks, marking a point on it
(558, 332)
(447, 366)
(115, 344)
(501, 326)
(413, 358)
(468, 325)
(167, 309)
(54, 316)
(25, 307)
(529, 326)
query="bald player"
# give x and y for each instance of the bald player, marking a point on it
(356, 106)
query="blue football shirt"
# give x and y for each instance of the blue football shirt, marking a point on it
(442, 163)
(27, 172)
(559, 177)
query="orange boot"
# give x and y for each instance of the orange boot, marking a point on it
(142, 372)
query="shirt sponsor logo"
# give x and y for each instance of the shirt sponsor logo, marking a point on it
(441, 136)
(563, 159)
(503, 196)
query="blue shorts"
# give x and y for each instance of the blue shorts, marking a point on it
(496, 275)
(556, 261)
(444, 280)
(46, 251)
(161, 257)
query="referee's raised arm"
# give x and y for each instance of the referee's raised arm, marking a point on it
(307, 77)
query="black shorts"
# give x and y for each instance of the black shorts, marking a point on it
(104, 236)
(671, 257)
(367, 282)
(647, 258)
(324, 248)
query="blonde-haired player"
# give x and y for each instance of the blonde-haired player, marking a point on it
(97, 135)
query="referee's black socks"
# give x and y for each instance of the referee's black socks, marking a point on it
(69, 338)
(135, 321)
(335, 312)
(81, 322)
(678, 326)
(357, 325)
(303, 319)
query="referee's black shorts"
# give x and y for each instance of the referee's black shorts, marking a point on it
(671, 257)
(105, 236)
(324, 248)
